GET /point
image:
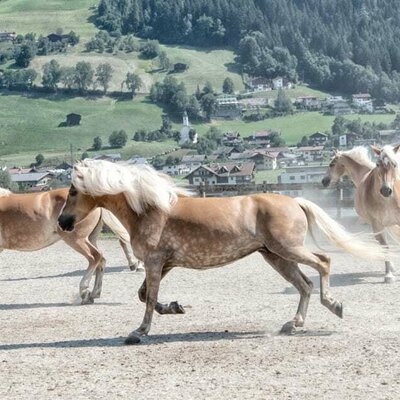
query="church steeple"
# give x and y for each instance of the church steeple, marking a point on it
(185, 119)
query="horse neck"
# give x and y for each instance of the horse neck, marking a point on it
(355, 169)
(118, 205)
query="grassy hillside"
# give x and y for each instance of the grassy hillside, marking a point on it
(24, 16)
(30, 124)
(292, 127)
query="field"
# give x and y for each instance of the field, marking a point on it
(226, 346)
(293, 127)
(29, 125)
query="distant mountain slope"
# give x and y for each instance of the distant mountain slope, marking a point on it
(350, 45)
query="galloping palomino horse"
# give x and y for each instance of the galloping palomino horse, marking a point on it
(169, 229)
(28, 222)
(374, 185)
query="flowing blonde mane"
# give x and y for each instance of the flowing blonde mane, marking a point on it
(360, 155)
(142, 185)
(4, 192)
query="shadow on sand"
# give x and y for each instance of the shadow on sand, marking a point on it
(148, 340)
(337, 280)
(10, 307)
(78, 272)
(189, 337)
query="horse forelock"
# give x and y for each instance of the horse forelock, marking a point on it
(4, 192)
(142, 185)
(360, 155)
(388, 156)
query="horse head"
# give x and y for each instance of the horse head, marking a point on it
(387, 167)
(335, 170)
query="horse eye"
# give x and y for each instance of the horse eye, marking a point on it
(73, 192)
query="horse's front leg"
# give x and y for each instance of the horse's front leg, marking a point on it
(381, 238)
(172, 308)
(153, 278)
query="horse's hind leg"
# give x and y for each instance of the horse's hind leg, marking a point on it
(321, 263)
(292, 273)
(172, 308)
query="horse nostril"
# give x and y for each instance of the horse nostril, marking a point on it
(386, 191)
(326, 181)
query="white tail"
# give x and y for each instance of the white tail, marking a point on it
(360, 245)
(113, 223)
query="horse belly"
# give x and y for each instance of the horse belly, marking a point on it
(214, 254)
(25, 237)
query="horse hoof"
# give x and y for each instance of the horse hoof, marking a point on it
(288, 329)
(87, 299)
(390, 279)
(339, 310)
(132, 339)
(177, 308)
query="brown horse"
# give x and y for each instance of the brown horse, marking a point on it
(168, 230)
(377, 189)
(28, 222)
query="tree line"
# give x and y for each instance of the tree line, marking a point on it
(347, 45)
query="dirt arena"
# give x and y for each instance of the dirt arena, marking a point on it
(226, 346)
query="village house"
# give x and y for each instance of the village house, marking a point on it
(360, 99)
(260, 138)
(187, 133)
(30, 180)
(109, 157)
(336, 105)
(7, 36)
(302, 174)
(175, 170)
(318, 139)
(223, 174)
(388, 136)
(193, 161)
(311, 103)
(264, 160)
(224, 152)
(180, 67)
(73, 119)
(231, 139)
(277, 83)
(311, 153)
(137, 160)
(259, 84)
(227, 106)
(55, 37)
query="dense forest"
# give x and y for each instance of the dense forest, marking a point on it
(343, 45)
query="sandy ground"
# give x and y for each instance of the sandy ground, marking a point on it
(226, 346)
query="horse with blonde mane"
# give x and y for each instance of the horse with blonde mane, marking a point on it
(377, 189)
(170, 229)
(28, 222)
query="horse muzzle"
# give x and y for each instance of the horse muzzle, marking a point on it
(66, 222)
(386, 191)
(326, 180)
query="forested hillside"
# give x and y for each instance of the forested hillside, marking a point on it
(344, 45)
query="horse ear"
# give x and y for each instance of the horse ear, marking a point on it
(376, 150)
(396, 148)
